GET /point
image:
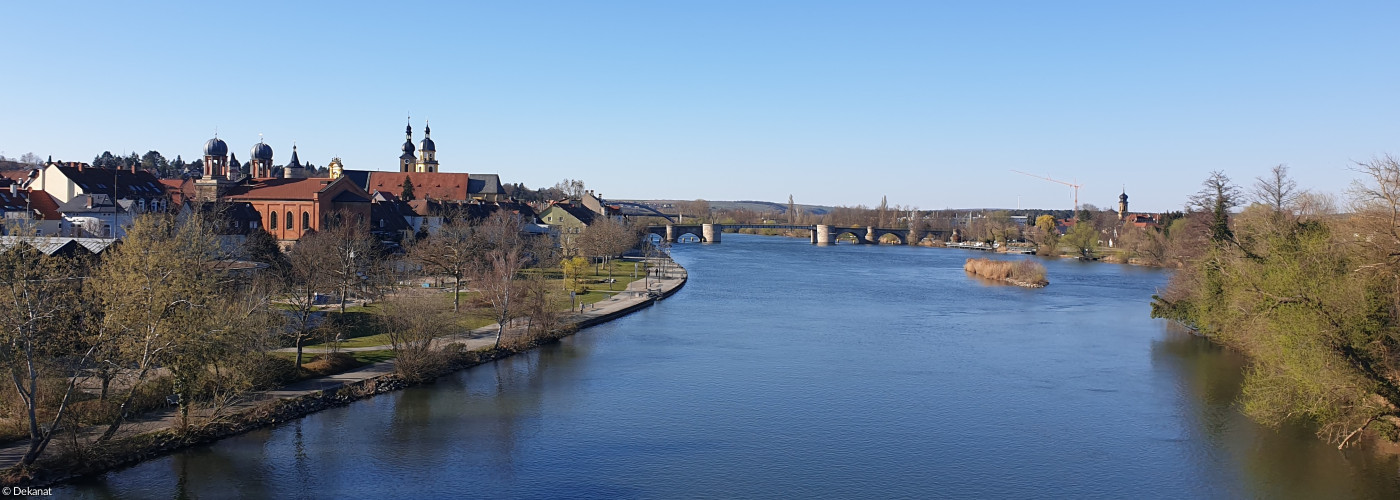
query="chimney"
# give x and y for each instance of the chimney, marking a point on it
(133, 168)
(14, 189)
(79, 165)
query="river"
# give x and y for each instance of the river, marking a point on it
(784, 370)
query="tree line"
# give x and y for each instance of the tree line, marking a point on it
(175, 315)
(1308, 291)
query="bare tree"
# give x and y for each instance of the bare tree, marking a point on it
(451, 252)
(352, 252)
(411, 320)
(1217, 196)
(308, 273)
(37, 296)
(495, 274)
(1276, 190)
(157, 292)
(572, 188)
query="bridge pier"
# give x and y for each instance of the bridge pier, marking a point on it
(814, 236)
(670, 233)
(823, 235)
(870, 236)
(913, 238)
(711, 232)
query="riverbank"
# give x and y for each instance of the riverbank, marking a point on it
(1109, 256)
(155, 434)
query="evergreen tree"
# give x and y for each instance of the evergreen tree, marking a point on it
(407, 194)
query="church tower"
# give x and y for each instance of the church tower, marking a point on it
(427, 152)
(1123, 206)
(336, 168)
(215, 180)
(294, 170)
(260, 167)
(406, 159)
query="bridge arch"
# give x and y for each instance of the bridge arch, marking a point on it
(889, 238)
(841, 233)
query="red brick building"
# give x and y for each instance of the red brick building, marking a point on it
(291, 207)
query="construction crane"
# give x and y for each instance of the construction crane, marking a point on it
(1075, 186)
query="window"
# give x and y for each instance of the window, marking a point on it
(290, 220)
(305, 221)
(272, 220)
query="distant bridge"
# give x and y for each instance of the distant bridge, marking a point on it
(822, 234)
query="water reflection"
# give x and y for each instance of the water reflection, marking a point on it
(784, 370)
(1288, 462)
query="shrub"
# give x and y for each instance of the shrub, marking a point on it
(1020, 271)
(331, 363)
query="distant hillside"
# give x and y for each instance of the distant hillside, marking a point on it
(756, 206)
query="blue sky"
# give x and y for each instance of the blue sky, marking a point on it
(929, 103)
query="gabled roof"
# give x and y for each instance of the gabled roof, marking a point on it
(386, 217)
(280, 189)
(17, 202)
(485, 184)
(235, 217)
(90, 204)
(179, 190)
(350, 197)
(128, 184)
(579, 212)
(45, 204)
(435, 185)
(19, 176)
(359, 177)
(58, 245)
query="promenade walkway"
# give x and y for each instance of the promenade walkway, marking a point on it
(635, 296)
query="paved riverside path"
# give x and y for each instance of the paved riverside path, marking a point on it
(634, 296)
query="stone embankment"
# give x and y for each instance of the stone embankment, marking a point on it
(157, 434)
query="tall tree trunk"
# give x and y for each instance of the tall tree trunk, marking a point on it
(121, 410)
(300, 337)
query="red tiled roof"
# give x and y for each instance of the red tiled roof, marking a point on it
(435, 185)
(16, 175)
(179, 190)
(42, 202)
(279, 189)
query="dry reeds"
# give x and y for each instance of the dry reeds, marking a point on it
(1021, 272)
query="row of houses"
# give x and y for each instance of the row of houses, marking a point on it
(70, 201)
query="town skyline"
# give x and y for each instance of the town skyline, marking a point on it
(930, 106)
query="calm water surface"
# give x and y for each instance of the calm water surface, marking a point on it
(783, 370)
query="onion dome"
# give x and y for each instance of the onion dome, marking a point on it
(427, 144)
(262, 151)
(215, 147)
(1123, 197)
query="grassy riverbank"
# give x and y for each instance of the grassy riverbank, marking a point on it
(77, 456)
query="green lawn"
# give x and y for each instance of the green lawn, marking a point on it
(373, 356)
(359, 328)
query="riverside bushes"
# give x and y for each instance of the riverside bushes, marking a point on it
(1020, 272)
(1309, 295)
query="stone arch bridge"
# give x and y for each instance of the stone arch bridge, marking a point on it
(822, 234)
